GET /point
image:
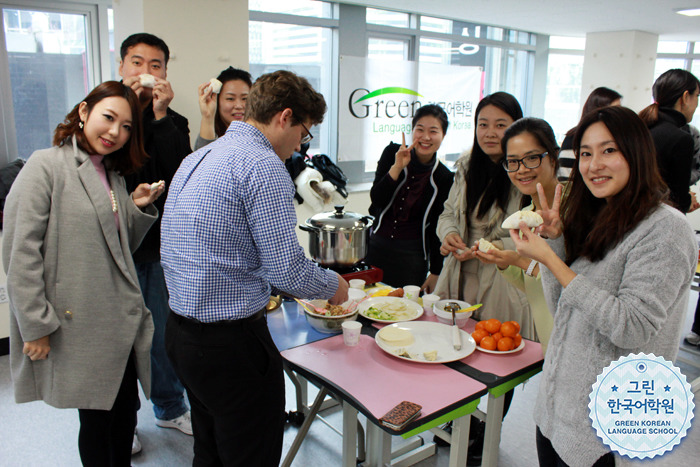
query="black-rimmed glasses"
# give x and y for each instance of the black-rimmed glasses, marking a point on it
(531, 161)
(308, 136)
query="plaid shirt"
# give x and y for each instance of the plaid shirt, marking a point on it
(228, 231)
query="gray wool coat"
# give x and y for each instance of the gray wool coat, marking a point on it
(70, 275)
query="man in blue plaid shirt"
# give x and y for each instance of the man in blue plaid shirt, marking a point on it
(227, 242)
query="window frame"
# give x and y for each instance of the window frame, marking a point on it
(97, 36)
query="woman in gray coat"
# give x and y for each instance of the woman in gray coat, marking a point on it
(80, 333)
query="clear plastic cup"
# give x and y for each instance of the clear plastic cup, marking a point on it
(351, 332)
(357, 283)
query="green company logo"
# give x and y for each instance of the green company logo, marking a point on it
(382, 108)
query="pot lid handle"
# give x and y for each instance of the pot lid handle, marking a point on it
(339, 210)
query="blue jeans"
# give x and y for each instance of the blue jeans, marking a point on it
(167, 392)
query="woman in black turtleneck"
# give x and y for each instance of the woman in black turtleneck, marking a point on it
(675, 100)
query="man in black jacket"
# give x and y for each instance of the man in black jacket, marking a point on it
(167, 142)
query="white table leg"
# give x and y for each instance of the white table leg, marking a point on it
(349, 435)
(492, 439)
(378, 446)
(459, 441)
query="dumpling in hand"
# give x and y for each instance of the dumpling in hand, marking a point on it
(147, 81)
(531, 218)
(485, 245)
(215, 86)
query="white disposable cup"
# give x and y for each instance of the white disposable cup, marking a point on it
(355, 294)
(411, 292)
(428, 302)
(357, 283)
(351, 332)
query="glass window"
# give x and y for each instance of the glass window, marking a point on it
(563, 95)
(389, 49)
(460, 28)
(305, 50)
(428, 23)
(494, 33)
(663, 64)
(696, 48)
(564, 42)
(672, 47)
(311, 8)
(387, 18)
(49, 68)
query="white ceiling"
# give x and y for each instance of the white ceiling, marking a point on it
(562, 17)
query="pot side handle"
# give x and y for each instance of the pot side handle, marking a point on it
(306, 228)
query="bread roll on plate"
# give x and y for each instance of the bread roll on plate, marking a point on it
(531, 218)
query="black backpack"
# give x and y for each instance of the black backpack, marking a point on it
(331, 172)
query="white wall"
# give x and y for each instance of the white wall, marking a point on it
(623, 61)
(204, 37)
(4, 307)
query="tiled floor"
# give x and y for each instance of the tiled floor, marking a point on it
(35, 434)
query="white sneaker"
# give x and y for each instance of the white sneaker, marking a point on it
(135, 444)
(692, 338)
(182, 423)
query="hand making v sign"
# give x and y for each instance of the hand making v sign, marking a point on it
(403, 157)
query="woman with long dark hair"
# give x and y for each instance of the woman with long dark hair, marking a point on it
(598, 98)
(617, 271)
(80, 332)
(675, 100)
(219, 110)
(409, 190)
(481, 197)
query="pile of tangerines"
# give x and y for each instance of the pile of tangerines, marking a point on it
(491, 334)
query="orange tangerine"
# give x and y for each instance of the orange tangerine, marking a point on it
(492, 325)
(479, 334)
(508, 329)
(488, 343)
(480, 325)
(497, 336)
(505, 344)
(517, 326)
(517, 340)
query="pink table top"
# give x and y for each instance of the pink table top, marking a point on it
(500, 365)
(374, 382)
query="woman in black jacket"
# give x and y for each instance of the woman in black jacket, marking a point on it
(409, 190)
(675, 100)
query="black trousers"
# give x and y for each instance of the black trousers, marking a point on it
(548, 457)
(105, 435)
(232, 372)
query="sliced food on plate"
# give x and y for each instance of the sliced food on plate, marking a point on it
(390, 309)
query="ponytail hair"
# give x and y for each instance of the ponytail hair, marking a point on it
(668, 88)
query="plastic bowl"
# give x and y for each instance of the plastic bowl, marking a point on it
(445, 317)
(328, 324)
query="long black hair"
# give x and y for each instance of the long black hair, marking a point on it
(592, 226)
(668, 88)
(486, 180)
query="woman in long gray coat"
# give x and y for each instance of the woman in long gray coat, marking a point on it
(80, 333)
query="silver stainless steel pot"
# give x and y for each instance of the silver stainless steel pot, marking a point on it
(339, 239)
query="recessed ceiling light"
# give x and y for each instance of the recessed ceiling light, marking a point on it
(689, 12)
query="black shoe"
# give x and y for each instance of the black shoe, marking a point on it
(476, 445)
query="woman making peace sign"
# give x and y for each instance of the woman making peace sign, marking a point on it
(410, 187)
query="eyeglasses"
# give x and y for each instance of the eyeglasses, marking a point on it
(308, 136)
(529, 162)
